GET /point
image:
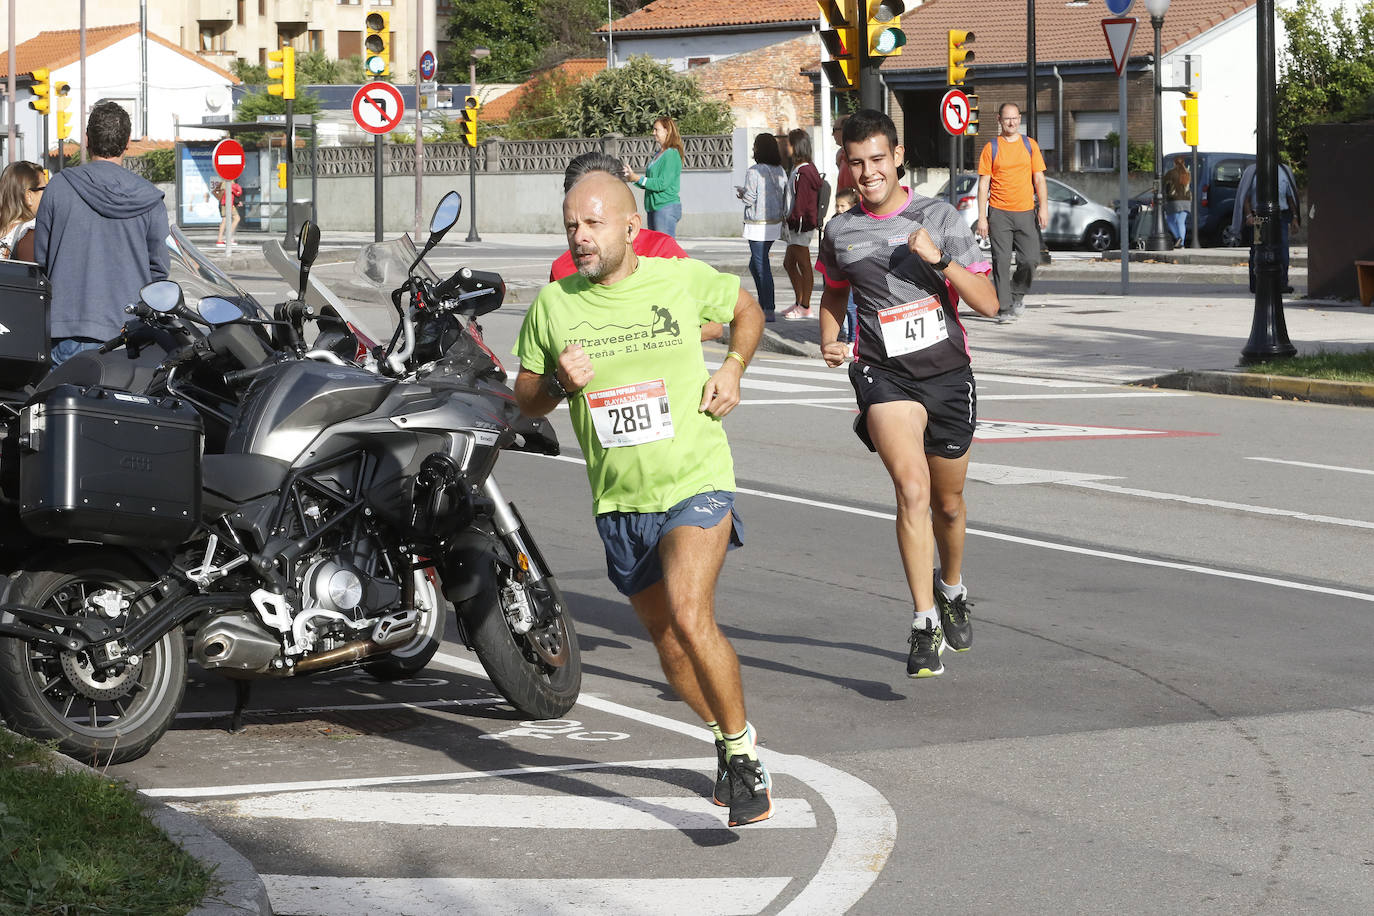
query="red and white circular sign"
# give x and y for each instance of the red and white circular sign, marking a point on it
(378, 107)
(954, 112)
(228, 159)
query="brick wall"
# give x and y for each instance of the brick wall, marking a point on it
(765, 87)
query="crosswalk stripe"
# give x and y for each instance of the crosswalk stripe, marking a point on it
(330, 896)
(541, 812)
(759, 384)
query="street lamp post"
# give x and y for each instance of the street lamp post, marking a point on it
(476, 54)
(1158, 239)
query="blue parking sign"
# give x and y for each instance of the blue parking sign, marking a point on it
(1119, 7)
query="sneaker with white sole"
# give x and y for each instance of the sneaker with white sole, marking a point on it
(926, 646)
(797, 313)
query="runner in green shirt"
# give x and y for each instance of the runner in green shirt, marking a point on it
(647, 414)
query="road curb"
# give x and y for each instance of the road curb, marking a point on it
(240, 889)
(1255, 385)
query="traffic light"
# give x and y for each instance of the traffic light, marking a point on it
(1189, 119)
(885, 35)
(41, 89)
(377, 44)
(959, 55)
(471, 106)
(841, 42)
(64, 109)
(972, 128)
(281, 174)
(285, 57)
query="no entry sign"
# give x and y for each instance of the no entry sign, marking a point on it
(954, 112)
(228, 159)
(378, 107)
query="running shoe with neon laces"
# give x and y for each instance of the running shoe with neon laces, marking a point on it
(955, 620)
(722, 794)
(926, 646)
(751, 798)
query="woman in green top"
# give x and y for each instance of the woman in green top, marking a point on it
(662, 179)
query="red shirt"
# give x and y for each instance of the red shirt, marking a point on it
(648, 244)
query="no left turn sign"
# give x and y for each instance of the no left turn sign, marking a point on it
(378, 107)
(954, 112)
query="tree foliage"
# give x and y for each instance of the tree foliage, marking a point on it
(160, 165)
(627, 99)
(1326, 72)
(312, 68)
(510, 29)
(536, 115)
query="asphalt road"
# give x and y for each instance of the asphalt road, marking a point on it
(1166, 710)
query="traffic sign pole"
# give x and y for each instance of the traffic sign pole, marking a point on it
(377, 108)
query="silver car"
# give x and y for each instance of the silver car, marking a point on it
(1075, 221)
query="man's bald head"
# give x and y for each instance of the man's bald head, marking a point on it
(601, 221)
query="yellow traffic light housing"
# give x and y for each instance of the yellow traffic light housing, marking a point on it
(377, 44)
(64, 109)
(281, 174)
(972, 129)
(841, 42)
(1189, 119)
(885, 35)
(41, 87)
(285, 57)
(471, 107)
(959, 55)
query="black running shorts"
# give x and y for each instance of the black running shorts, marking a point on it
(950, 400)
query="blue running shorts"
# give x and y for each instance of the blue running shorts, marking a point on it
(631, 538)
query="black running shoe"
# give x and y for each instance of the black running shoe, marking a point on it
(955, 620)
(926, 646)
(723, 794)
(751, 798)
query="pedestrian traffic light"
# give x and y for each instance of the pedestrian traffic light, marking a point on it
(285, 57)
(377, 44)
(885, 35)
(471, 106)
(281, 174)
(972, 129)
(959, 55)
(841, 42)
(41, 89)
(64, 109)
(1189, 119)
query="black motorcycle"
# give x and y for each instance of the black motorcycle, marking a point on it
(342, 503)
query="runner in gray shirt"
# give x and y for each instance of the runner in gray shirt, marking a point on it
(908, 260)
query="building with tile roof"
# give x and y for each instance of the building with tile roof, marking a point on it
(182, 88)
(571, 72)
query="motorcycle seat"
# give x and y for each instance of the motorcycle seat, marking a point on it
(240, 477)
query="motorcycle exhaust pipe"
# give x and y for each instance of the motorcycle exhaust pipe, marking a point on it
(360, 649)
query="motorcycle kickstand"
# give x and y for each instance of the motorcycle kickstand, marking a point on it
(241, 691)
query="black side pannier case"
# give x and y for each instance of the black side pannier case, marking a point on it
(103, 465)
(24, 300)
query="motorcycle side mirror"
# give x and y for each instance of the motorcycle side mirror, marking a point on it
(307, 249)
(162, 296)
(445, 218)
(218, 310)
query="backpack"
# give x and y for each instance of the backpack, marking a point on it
(823, 199)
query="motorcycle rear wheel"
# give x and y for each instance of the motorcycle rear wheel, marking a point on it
(49, 694)
(534, 687)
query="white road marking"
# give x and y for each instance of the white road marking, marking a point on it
(759, 384)
(539, 812)
(1308, 464)
(1219, 504)
(1005, 474)
(519, 896)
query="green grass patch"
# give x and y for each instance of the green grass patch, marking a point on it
(1340, 367)
(72, 842)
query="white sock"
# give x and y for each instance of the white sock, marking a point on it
(922, 618)
(950, 591)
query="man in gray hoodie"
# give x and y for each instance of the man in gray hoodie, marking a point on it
(101, 235)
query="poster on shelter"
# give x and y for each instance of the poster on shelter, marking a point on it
(198, 204)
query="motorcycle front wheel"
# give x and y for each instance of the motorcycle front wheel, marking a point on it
(521, 664)
(99, 717)
(410, 659)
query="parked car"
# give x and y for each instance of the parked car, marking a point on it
(1216, 197)
(1075, 221)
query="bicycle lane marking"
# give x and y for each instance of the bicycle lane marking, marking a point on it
(865, 824)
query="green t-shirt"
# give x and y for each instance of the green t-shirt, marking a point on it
(647, 446)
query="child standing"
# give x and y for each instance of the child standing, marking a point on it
(844, 199)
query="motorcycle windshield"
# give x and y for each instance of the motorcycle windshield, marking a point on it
(199, 277)
(383, 265)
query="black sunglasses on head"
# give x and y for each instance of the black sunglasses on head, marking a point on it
(38, 189)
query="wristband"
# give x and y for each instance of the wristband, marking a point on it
(554, 388)
(735, 356)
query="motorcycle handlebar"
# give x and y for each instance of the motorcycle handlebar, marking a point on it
(112, 344)
(236, 378)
